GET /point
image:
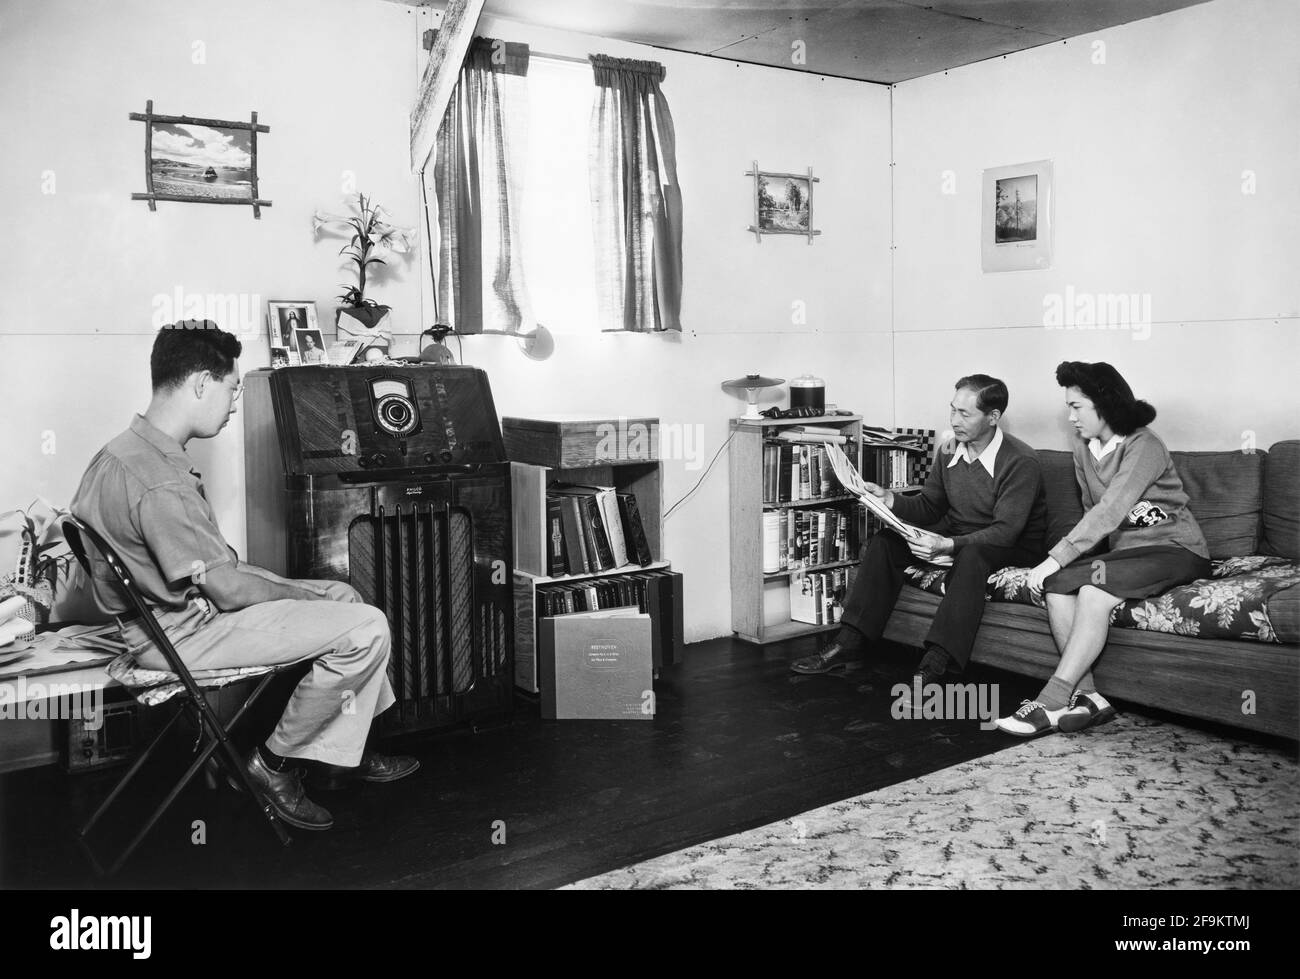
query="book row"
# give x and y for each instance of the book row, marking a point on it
(818, 596)
(794, 472)
(890, 468)
(636, 588)
(806, 538)
(591, 529)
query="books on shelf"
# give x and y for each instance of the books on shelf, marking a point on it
(773, 540)
(634, 589)
(592, 529)
(817, 597)
(805, 538)
(891, 468)
(794, 472)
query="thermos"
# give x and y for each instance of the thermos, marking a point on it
(807, 391)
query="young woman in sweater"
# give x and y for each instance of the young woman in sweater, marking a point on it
(1133, 499)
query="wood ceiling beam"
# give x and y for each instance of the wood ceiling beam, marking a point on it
(449, 50)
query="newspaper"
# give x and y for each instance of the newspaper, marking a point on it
(853, 482)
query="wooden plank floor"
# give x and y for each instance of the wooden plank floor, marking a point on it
(738, 742)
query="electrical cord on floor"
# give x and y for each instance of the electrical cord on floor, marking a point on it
(669, 512)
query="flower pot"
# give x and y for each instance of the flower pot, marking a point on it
(369, 323)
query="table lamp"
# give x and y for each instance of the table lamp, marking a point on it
(751, 384)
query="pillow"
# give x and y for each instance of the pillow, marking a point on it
(1064, 504)
(1282, 500)
(1284, 614)
(1226, 496)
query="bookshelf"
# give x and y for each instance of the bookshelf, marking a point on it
(622, 453)
(760, 600)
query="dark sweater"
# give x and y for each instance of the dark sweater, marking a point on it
(1133, 497)
(970, 506)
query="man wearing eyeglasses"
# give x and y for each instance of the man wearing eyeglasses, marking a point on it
(144, 495)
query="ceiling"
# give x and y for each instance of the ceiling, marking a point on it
(871, 40)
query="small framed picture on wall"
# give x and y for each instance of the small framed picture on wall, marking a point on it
(1016, 226)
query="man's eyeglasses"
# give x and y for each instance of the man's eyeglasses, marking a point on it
(237, 388)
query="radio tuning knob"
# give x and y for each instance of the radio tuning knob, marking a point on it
(428, 458)
(379, 458)
(445, 455)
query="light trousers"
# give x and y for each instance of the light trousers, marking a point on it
(328, 717)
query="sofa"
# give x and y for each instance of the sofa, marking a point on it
(1225, 649)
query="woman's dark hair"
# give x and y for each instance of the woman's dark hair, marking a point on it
(187, 346)
(990, 393)
(1109, 393)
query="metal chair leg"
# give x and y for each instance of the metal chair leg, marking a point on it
(130, 774)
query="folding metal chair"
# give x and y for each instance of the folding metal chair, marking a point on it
(213, 748)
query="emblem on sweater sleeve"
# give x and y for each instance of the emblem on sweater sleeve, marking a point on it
(1146, 514)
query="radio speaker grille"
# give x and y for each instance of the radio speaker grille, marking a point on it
(416, 562)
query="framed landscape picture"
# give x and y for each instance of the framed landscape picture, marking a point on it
(204, 161)
(1016, 225)
(783, 203)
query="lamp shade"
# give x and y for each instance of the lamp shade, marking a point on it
(750, 384)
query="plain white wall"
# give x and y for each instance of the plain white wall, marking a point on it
(1149, 145)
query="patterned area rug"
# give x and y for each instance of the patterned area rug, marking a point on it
(1137, 803)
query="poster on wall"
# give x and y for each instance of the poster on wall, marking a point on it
(1016, 226)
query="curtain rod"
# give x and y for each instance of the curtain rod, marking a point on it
(558, 57)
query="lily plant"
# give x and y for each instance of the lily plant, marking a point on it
(371, 236)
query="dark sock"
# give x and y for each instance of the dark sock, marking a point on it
(1086, 685)
(935, 661)
(1056, 694)
(276, 763)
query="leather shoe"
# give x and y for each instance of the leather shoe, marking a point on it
(387, 768)
(922, 678)
(833, 658)
(1032, 720)
(285, 794)
(1086, 710)
(374, 767)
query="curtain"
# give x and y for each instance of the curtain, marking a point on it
(636, 203)
(481, 282)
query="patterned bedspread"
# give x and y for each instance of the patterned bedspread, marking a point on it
(1233, 604)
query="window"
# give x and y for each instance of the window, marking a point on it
(555, 210)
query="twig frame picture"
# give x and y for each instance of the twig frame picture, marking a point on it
(200, 161)
(783, 203)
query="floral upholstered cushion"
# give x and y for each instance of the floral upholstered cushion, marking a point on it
(1233, 604)
(154, 687)
(1005, 585)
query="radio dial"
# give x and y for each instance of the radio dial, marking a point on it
(396, 414)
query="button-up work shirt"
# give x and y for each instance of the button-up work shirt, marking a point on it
(146, 499)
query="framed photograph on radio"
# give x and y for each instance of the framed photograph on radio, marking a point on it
(310, 347)
(285, 319)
